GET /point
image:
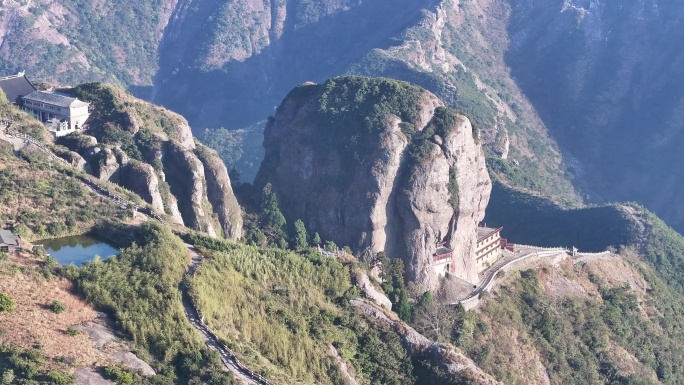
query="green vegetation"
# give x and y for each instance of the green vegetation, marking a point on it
(441, 124)
(299, 236)
(118, 375)
(57, 307)
(139, 290)
(42, 196)
(281, 311)
(533, 220)
(576, 336)
(663, 248)
(116, 42)
(26, 367)
(6, 303)
(227, 143)
(352, 112)
(273, 223)
(118, 119)
(453, 187)
(520, 177)
(394, 286)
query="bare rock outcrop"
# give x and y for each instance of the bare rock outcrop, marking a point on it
(141, 179)
(443, 201)
(377, 164)
(185, 175)
(364, 283)
(220, 193)
(152, 152)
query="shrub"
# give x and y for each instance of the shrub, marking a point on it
(118, 375)
(57, 307)
(6, 303)
(72, 331)
(59, 378)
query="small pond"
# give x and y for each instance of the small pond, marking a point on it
(78, 249)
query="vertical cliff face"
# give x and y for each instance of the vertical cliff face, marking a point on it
(444, 198)
(372, 164)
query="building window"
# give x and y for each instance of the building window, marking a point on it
(4, 249)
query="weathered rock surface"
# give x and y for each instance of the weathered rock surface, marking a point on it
(385, 186)
(370, 291)
(185, 175)
(151, 151)
(431, 215)
(220, 193)
(141, 179)
(451, 359)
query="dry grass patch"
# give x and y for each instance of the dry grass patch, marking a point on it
(33, 324)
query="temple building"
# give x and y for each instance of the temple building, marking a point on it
(488, 249)
(9, 243)
(63, 114)
(441, 261)
(16, 87)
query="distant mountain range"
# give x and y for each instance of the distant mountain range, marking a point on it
(576, 100)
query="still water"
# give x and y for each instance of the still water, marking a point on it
(78, 249)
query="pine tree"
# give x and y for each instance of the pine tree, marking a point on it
(316, 241)
(299, 237)
(272, 220)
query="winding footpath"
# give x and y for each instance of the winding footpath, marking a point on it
(228, 358)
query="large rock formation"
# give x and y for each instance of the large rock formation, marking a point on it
(151, 151)
(378, 164)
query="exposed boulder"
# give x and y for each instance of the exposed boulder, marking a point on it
(142, 180)
(355, 159)
(185, 175)
(220, 193)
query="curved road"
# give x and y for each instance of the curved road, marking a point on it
(491, 273)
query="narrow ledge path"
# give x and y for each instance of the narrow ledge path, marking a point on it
(228, 358)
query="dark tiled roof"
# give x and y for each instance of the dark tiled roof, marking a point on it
(443, 250)
(7, 238)
(15, 87)
(54, 98)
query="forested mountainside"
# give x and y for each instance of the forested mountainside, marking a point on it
(586, 86)
(299, 316)
(237, 60)
(74, 41)
(607, 79)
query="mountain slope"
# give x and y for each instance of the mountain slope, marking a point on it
(74, 41)
(151, 151)
(236, 61)
(607, 78)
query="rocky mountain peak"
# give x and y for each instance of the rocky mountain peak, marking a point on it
(378, 164)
